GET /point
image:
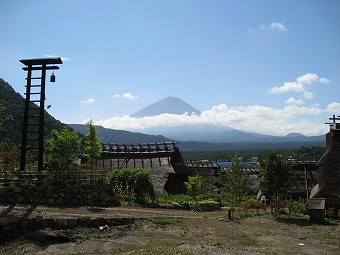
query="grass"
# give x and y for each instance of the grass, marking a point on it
(156, 249)
(219, 243)
(161, 222)
(243, 235)
(177, 199)
(182, 199)
(18, 246)
(95, 233)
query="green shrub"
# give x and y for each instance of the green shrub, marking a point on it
(177, 199)
(251, 203)
(297, 207)
(196, 187)
(132, 185)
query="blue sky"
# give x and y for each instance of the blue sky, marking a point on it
(271, 67)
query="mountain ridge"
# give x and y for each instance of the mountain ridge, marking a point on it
(14, 103)
(127, 137)
(171, 105)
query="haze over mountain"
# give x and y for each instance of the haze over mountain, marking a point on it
(172, 105)
(204, 132)
(201, 136)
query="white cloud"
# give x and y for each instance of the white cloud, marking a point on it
(301, 85)
(91, 100)
(293, 100)
(288, 87)
(308, 95)
(278, 27)
(307, 78)
(55, 56)
(324, 80)
(274, 26)
(127, 95)
(256, 118)
(333, 108)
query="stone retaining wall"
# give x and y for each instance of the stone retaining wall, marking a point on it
(92, 195)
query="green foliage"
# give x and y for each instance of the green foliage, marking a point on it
(161, 222)
(274, 177)
(251, 203)
(177, 199)
(3, 115)
(234, 182)
(8, 156)
(132, 185)
(62, 148)
(196, 187)
(14, 105)
(93, 147)
(297, 206)
(185, 201)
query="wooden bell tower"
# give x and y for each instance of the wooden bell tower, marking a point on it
(34, 118)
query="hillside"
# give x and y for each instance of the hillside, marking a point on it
(127, 137)
(14, 103)
(120, 136)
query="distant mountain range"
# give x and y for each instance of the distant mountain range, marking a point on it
(204, 137)
(220, 134)
(199, 137)
(209, 132)
(172, 105)
(121, 136)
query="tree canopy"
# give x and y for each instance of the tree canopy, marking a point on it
(93, 147)
(63, 146)
(275, 173)
(234, 181)
(3, 115)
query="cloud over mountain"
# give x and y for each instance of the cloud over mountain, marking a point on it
(255, 118)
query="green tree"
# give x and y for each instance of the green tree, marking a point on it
(274, 177)
(132, 185)
(3, 116)
(93, 147)
(8, 156)
(196, 186)
(63, 147)
(234, 182)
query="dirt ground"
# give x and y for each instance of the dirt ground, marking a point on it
(169, 231)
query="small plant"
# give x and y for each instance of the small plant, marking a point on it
(161, 222)
(196, 187)
(297, 207)
(219, 243)
(177, 199)
(243, 235)
(251, 203)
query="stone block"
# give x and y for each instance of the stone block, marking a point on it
(50, 201)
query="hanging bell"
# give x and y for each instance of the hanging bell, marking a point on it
(52, 78)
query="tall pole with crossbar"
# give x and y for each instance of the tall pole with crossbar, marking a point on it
(34, 118)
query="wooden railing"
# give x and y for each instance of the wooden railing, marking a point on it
(139, 148)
